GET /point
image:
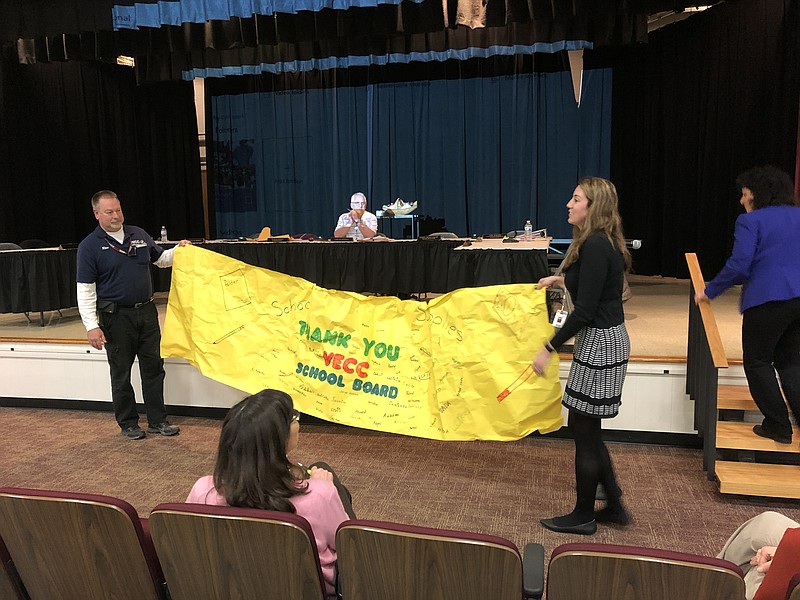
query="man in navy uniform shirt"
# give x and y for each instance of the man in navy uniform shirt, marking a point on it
(115, 300)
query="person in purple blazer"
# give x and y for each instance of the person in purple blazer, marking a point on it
(766, 261)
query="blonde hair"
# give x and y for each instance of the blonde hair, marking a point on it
(602, 215)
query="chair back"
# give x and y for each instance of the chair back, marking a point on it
(595, 571)
(9, 246)
(225, 552)
(82, 546)
(10, 586)
(33, 244)
(402, 562)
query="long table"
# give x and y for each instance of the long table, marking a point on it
(44, 280)
(37, 280)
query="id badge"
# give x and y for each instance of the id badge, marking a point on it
(559, 318)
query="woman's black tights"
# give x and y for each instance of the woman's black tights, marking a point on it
(592, 465)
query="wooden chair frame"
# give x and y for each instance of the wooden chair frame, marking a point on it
(87, 546)
(403, 562)
(226, 552)
(595, 571)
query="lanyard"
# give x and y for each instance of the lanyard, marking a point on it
(131, 250)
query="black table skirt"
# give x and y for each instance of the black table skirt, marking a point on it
(381, 267)
(41, 280)
(37, 280)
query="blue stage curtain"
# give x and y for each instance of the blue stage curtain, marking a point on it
(177, 12)
(484, 153)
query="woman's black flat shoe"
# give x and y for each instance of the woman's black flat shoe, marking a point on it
(587, 528)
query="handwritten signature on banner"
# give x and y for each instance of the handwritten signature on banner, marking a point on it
(456, 368)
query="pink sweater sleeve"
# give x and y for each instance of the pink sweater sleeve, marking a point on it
(204, 492)
(323, 510)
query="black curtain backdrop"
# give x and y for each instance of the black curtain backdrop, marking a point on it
(7, 58)
(797, 162)
(70, 129)
(704, 100)
(53, 30)
(606, 18)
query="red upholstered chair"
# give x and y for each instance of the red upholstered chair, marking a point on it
(87, 546)
(391, 561)
(784, 566)
(594, 571)
(10, 586)
(226, 552)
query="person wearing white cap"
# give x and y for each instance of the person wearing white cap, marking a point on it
(359, 223)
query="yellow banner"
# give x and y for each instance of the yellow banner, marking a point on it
(456, 368)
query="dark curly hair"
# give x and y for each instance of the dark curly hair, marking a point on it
(770, 186)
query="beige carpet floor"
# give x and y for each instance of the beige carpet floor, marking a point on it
(502, 488)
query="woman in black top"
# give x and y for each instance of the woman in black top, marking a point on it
(594, 270)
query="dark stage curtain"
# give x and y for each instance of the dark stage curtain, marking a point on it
(7, 61)
(70, 129)
(33, 18)
(483, 145)
(609, 21)
(704, 100)
(205, 48)
(797, 161)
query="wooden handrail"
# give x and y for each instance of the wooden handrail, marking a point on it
(30, 340)
(707, 314)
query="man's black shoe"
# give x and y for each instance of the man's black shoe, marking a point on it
(163, 428)
(134, 432)
(781, 439)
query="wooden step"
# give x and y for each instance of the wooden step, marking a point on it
(735, 397)
(758, 479)
(739, 436)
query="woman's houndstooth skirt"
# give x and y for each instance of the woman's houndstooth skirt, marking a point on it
(599, 363)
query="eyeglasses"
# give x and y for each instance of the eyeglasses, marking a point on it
(295, 417)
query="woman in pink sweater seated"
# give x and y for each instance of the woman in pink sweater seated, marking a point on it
(252, 470)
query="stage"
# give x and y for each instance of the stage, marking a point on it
(656, 318)
(53, 364)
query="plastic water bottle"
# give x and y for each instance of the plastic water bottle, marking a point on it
(164, 233)
(528, 231)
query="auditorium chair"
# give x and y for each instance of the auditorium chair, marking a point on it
(226, 552)
(782, 578)
(604, 571)
(391, 561)
(78, 546)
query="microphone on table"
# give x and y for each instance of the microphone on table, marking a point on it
(633, 244)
